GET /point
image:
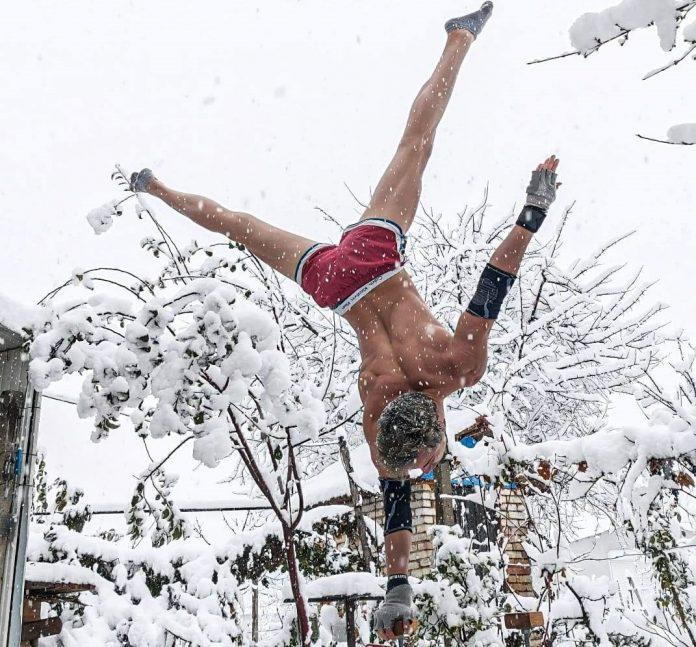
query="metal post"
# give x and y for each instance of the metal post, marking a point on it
(18, 427)
(350, 622)
(444, 509)
(255, 611)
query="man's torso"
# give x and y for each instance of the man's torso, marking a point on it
(404, 348)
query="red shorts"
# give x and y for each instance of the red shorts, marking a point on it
(338, 276)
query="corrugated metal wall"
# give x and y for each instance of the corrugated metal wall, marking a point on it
(18, 418)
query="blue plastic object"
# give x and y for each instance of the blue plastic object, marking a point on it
(18, 463)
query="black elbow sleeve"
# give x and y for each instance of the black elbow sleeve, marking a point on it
(397, 505)
(492, 289)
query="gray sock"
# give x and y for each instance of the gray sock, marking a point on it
(472, 22)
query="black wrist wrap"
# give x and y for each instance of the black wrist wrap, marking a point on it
(492, 289)
(396, 580)
(531, 218)
(397, 505)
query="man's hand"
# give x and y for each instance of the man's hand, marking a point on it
(140, 182)
(541, 191)
(395, 617)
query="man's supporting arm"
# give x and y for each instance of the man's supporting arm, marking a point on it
(398, 529)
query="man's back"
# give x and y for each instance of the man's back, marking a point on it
(404, 348)
(402, 343)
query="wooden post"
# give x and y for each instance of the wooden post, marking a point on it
(357, 504)
(444, 509)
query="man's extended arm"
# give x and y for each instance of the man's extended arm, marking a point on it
(500, 273)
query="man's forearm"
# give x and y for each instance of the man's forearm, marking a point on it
(397, 548)
(508, 257)
(499, 275)
(398, 525)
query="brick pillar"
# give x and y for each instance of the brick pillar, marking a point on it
(514, 523)
(424, 516)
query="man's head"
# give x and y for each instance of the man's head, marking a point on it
(411, 434)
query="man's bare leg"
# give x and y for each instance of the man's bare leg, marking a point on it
(398, 193)
(276, 247)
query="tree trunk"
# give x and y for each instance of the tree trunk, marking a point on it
(294, 573)
(357, 505)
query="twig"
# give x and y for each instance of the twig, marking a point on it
(664, 141)
(669, 65)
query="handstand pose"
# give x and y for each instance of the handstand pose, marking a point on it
(410, 363)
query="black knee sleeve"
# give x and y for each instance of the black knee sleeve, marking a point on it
(397, 505)
(492, 289)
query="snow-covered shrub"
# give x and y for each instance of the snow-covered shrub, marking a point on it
(463, 599)
(142, 597)
(183, 595)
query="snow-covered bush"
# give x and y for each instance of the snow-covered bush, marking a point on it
(187, 591)
(462, 600)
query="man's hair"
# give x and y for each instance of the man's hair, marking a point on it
(408, 424)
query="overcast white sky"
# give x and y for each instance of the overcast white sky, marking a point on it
(271, 106)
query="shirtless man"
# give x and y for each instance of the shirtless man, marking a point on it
(406, 372)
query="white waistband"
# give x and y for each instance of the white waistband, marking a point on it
(363, 291)
(305, 257)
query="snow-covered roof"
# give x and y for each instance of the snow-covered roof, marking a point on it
(332, 482)
(14, 316)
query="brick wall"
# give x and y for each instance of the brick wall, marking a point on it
(423, 509)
